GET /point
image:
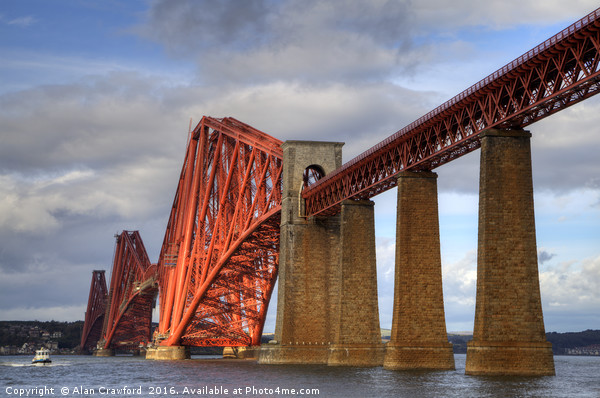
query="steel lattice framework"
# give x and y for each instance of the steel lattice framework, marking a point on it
(220, 254)
(132, 294)
(94, 316)
(558, 73)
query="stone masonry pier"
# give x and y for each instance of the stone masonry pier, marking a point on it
(509, 335)
(419, 339)
(327, 295)
(327, 310)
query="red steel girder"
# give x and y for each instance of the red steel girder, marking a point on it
(556, 74)
(218, 263)
(96, 308)
(132, 294)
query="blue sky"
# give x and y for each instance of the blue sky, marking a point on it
(96, 99)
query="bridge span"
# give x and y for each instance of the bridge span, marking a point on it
(249, 209)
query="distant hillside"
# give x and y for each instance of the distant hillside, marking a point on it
(67, 336)
(459, 342)
(52, 334)
(562, 343)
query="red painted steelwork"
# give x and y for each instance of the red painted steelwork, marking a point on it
(219, 258)
(558, 73)
(94, 316)
(132, 294)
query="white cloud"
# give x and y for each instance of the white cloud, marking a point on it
(571, 293)
(386, 266)
(345, 40)
(115, 118)
(25, 21)
(496, 14)
(359, 115)
(43, 206)
(460, 283)
(24, 209)
(568, 205)
(297, 40)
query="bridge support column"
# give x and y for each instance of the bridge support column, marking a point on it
(357, 336)
(241, 352)
(508, 336)
(419, 339)
(168, 353)
(104, 352)
(309, 251)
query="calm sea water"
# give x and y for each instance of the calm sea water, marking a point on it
(83, 376)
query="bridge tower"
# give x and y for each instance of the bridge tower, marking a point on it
(131, 297)
(218, 263)
(96, 309)
(327, 296)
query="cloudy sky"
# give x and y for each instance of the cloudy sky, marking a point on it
(96, 99)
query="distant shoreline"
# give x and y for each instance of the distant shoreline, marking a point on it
(63, 338)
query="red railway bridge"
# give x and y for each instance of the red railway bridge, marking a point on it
(96, 309)
(249, 209)
(121, 318)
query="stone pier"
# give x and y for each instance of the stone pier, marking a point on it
(357, 335)
(104, 352)
(509, 336)
(327, 295)
(309, 248)
(241, 352)
(168, 353)
(419, 339)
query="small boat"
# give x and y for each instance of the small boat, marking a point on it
(42, 356)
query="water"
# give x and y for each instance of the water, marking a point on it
(82, 376)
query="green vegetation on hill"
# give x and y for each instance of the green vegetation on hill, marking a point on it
(563, 341)
(17, 333)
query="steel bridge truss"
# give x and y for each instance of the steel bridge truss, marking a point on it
(558, 73)
(96, 309)
(132, 295)
(219, 259)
